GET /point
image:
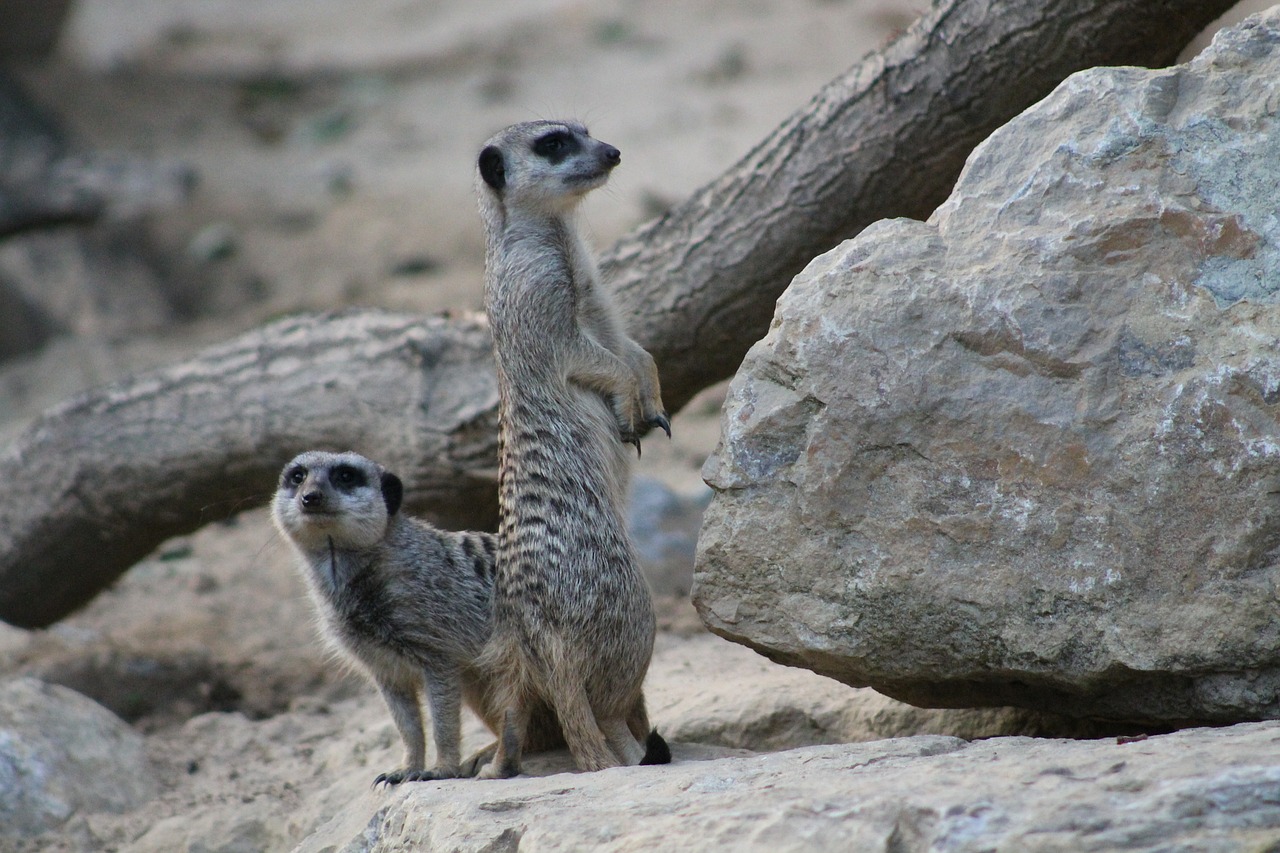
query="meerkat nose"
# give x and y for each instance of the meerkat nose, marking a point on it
(312, 499)
(612, 156)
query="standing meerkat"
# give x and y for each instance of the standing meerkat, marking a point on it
(573, 618)
(409, 604)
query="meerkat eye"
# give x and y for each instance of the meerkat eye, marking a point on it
(347, 477)
(295, 476)
(554, 146)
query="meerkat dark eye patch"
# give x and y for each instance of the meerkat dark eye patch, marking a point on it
(492, 168)
(295, 476)
(556, 146)
(347, 477)
(392, 492)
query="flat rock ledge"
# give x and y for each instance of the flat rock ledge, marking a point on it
(1198, 789)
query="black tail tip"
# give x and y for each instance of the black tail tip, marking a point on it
(656, 750)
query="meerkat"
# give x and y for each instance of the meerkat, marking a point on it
(573, 618)
(409, 604)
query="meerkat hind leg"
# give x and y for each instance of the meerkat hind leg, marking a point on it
(506, 756)
(478, 760)
(625, 747)
(582, 733)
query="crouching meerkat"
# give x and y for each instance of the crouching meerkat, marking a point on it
(573, 618)
(409, 604)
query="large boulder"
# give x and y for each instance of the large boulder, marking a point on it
(1027, 452)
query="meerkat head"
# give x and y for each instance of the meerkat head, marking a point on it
(543, 167)
(338, 500)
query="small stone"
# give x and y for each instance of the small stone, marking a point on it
(63, 754)
(216, 241)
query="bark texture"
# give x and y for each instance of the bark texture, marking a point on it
(100, 482)
(888, 138)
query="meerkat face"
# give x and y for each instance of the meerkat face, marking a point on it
(544, 166)
(342, 498)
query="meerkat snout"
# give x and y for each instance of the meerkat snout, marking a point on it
(350, 499)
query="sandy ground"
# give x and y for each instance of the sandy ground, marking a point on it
(330, 145)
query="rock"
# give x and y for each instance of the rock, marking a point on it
(664, 526)
(1027, 453)
(63, 754)
(708, 691)
(1206, 789)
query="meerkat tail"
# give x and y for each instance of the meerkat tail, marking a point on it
(656, 750)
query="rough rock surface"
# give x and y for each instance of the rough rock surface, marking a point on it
(1204, 789)
(706, 691)
(257, 740)
(61, 753)
(1027, 452)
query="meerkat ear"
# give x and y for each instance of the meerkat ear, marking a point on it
(392, 492)
(492, 168)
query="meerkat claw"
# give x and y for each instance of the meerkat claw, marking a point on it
(663, 421)
(390, 779)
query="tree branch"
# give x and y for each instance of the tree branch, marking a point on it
(888, 138)
(96, 484)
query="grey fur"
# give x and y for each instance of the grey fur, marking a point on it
(408, 603)
(573, 618)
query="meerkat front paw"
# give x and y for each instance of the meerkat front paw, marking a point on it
(433, 774)
(646, 408)
(634, 423)
(395, 777)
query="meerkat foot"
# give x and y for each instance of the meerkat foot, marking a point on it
(494, 771)
(434, 774)
(395, 777)
(505, 761)
(474, 764)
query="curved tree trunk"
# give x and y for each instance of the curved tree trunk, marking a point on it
(95, 485)
(887, 138)
(99, 483)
